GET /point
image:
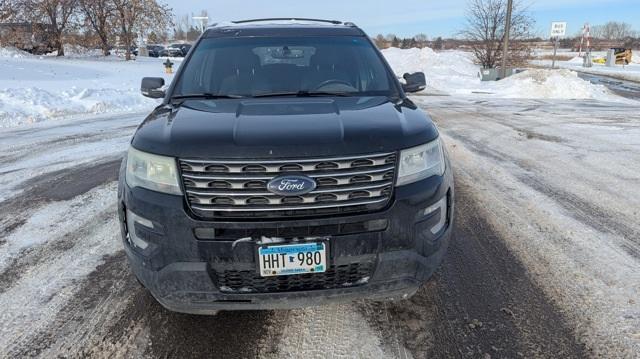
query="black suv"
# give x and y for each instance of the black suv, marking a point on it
(285, 167)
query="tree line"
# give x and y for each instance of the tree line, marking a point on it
(107, 21)
(419, 41)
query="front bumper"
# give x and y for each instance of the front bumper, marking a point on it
(179, 267)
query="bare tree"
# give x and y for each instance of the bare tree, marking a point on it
(438, 43)
(140, 16)
(181, 27)
(8, 10)
(100, 15)
(485, 30)
(421, 38)
(380, 41)
(613, 30)
(58, 15)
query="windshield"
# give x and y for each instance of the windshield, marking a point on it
(256, 66)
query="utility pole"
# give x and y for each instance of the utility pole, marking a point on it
(505, 45)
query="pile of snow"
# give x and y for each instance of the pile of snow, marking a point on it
(543, 83)
(28, 105)
(12, 52)
(36, 89)
(635, 57)
(445, 71)
(454, 72)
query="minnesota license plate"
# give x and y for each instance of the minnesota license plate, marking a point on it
(292, 259)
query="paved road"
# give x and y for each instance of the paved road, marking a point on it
(66, 289)
(624, 88)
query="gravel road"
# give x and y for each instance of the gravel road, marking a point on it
(538, 212)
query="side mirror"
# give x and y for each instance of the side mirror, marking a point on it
(414, 82)
(150, 87)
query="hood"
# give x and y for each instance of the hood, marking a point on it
(283, 127)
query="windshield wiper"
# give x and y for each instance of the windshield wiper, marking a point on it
(205, 96)
(303, 93)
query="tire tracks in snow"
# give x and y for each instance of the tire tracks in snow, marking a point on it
(558, 208)
(585, 209)
(60, 185)
(480, 303)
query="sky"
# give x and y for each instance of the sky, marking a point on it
(409, 17)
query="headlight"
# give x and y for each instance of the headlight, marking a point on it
(154, 172)
(421, 162)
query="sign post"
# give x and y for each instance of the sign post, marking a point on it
(558, 29)
(203, 20)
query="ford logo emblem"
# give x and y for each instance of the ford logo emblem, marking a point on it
(291, 185)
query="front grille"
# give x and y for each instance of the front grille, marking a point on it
(218, 188)
(342, 276)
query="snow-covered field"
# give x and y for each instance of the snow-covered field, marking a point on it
(39, 88)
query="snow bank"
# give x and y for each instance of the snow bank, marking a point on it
(43, 88)
(445, 71)
(12, 52)
(636, 56)
(542, 83)
(32, 104)
(454, 72)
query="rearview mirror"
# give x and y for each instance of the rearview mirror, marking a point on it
(414, 82)
(151, 86)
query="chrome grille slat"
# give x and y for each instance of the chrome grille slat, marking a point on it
(269, 176)
(285, 208)
(274, 199)
(316, 191)
(241, 186)
(300, 160)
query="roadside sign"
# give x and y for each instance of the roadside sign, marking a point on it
(558, 29)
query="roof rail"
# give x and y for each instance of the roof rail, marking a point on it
(335, 22)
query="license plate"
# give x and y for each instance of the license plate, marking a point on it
(292, 259)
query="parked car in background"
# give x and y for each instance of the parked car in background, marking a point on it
(172, 50)
(155, 50)
(175, 50)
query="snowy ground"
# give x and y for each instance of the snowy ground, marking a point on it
(561, 180)
(545, 259)
(454, 73)
(39, 88)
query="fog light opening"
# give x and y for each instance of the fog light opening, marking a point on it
(132, 219)
(442, 206)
